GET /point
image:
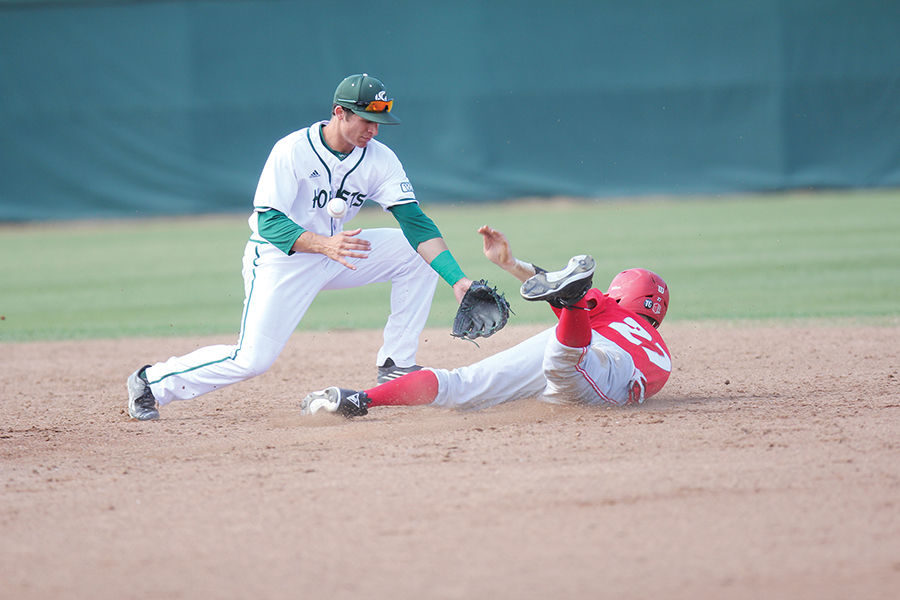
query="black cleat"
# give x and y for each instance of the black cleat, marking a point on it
(562, 288)
(349, 403)
(389, 371)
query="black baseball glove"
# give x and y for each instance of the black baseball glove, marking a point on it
(482, 313)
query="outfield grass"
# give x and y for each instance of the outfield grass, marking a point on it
(796, 256)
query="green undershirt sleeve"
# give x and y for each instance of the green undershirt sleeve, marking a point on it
(415, 224)
(418, 228)
(277, 228)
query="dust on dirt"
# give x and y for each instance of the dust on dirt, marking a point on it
(768, 467)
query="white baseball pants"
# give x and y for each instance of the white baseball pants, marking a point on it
(541, 366)
(279, 289)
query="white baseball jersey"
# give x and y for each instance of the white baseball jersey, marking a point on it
(302, 175)
(299, 178)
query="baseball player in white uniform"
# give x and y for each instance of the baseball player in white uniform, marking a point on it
(314, 182)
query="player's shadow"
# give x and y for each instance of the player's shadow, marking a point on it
(680, 401)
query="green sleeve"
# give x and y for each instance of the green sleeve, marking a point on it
(276, 228)
(415, 224)
(447, 267)
(418, 228)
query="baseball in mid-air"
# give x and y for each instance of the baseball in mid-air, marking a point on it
(336, 208)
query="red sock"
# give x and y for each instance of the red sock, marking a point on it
(418, 387)
(574, 327)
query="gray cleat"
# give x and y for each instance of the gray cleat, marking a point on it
(141, 403)
(564, 287)
(349, 403)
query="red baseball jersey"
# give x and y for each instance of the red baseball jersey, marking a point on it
(634, 335)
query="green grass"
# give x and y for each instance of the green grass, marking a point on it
(796, 256)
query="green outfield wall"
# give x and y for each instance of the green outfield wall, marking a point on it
(170, 107)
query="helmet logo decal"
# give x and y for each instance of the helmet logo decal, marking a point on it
(382, 95)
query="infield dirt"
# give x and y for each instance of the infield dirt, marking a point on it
(769, 467)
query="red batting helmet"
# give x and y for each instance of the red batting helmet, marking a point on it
(641, 291)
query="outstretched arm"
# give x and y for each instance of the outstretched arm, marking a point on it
(431, 249)
(424, 236)
(497, 250)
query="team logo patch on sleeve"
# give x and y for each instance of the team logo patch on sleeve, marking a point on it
(406, 187)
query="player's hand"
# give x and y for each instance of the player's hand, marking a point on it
(496, 247)
(461, 287)
(343, 245)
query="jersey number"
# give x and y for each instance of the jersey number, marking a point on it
(637, 335)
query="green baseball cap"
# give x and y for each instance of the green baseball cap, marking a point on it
(365, 96)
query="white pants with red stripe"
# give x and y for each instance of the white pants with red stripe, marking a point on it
(602, 373)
